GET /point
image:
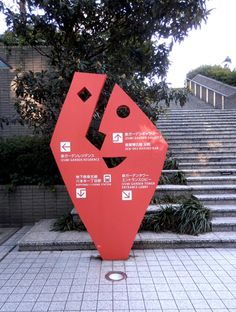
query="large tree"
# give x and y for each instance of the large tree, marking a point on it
(128, 40)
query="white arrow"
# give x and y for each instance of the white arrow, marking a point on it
(65, 146)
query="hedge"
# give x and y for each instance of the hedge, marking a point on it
(27, 160)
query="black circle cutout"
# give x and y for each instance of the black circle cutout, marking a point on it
(123, 111)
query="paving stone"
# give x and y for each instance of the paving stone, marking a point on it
(89, 305)
(41, 306)
(104, 305)
(73, 306)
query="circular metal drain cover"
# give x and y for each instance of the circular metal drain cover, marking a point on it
(115, 276)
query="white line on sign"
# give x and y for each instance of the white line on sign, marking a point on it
(81, 193)
(65, 147)
(117, 137)
(127, 195)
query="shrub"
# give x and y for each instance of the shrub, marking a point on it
(67, 223)
(27, 160)
(162, 220)
(170, 163)
(191, 217)
(173, 178)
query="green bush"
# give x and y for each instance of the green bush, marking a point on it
(191, 217)
(162, 220)
(27, 160)
(170, 163)
(173, 178)
(67, 223)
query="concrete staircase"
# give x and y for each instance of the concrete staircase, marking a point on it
(204, 143)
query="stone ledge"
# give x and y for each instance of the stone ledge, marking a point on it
(6, 233)
(40, 238)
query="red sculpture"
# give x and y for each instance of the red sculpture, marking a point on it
(110, 201)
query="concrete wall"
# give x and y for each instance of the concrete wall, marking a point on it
(29, 204)
(24, 58)
(230, 103)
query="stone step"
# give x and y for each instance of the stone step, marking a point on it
(224, 224)
(198, 112)
(208, 165)
(200, 129)
(195, 117)
(210, 132)
(180, 145)
(200, 109)
(199, 119)
(205, 159)
(179, 190)
(198, 137)
(208, 128)
(216, 199)
(169, 124)
(216, 210)
(208, 151)
(199, 141)
(205, 154)
(223, 210)
(194, 113)
(41, 238)
(204, 111)
(203, 172)
(211, 180)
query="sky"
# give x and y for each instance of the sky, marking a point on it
(209, 45)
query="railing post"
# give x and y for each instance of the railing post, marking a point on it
(207, 95)
(222, 102)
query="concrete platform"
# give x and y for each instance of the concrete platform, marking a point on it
(6, 232)
(41, 238)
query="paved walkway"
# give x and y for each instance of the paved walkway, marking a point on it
(172, 280)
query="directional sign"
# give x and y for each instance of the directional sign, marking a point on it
(117, 137)
(110, 185)
(126, 195)
(81, 193)
(107, 178)
(65, 147)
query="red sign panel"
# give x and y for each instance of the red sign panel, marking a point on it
(110, 199)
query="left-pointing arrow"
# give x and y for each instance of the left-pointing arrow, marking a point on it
(65, 146)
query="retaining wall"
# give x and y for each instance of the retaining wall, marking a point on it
(29, 204)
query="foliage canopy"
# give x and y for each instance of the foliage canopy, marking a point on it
(128, 40)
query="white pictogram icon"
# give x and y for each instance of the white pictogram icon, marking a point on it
(81, 193)
(65, 147)
(107, 178)
(127, 195)
(117, 137)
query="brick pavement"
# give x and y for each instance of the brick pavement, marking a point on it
(171, 280)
